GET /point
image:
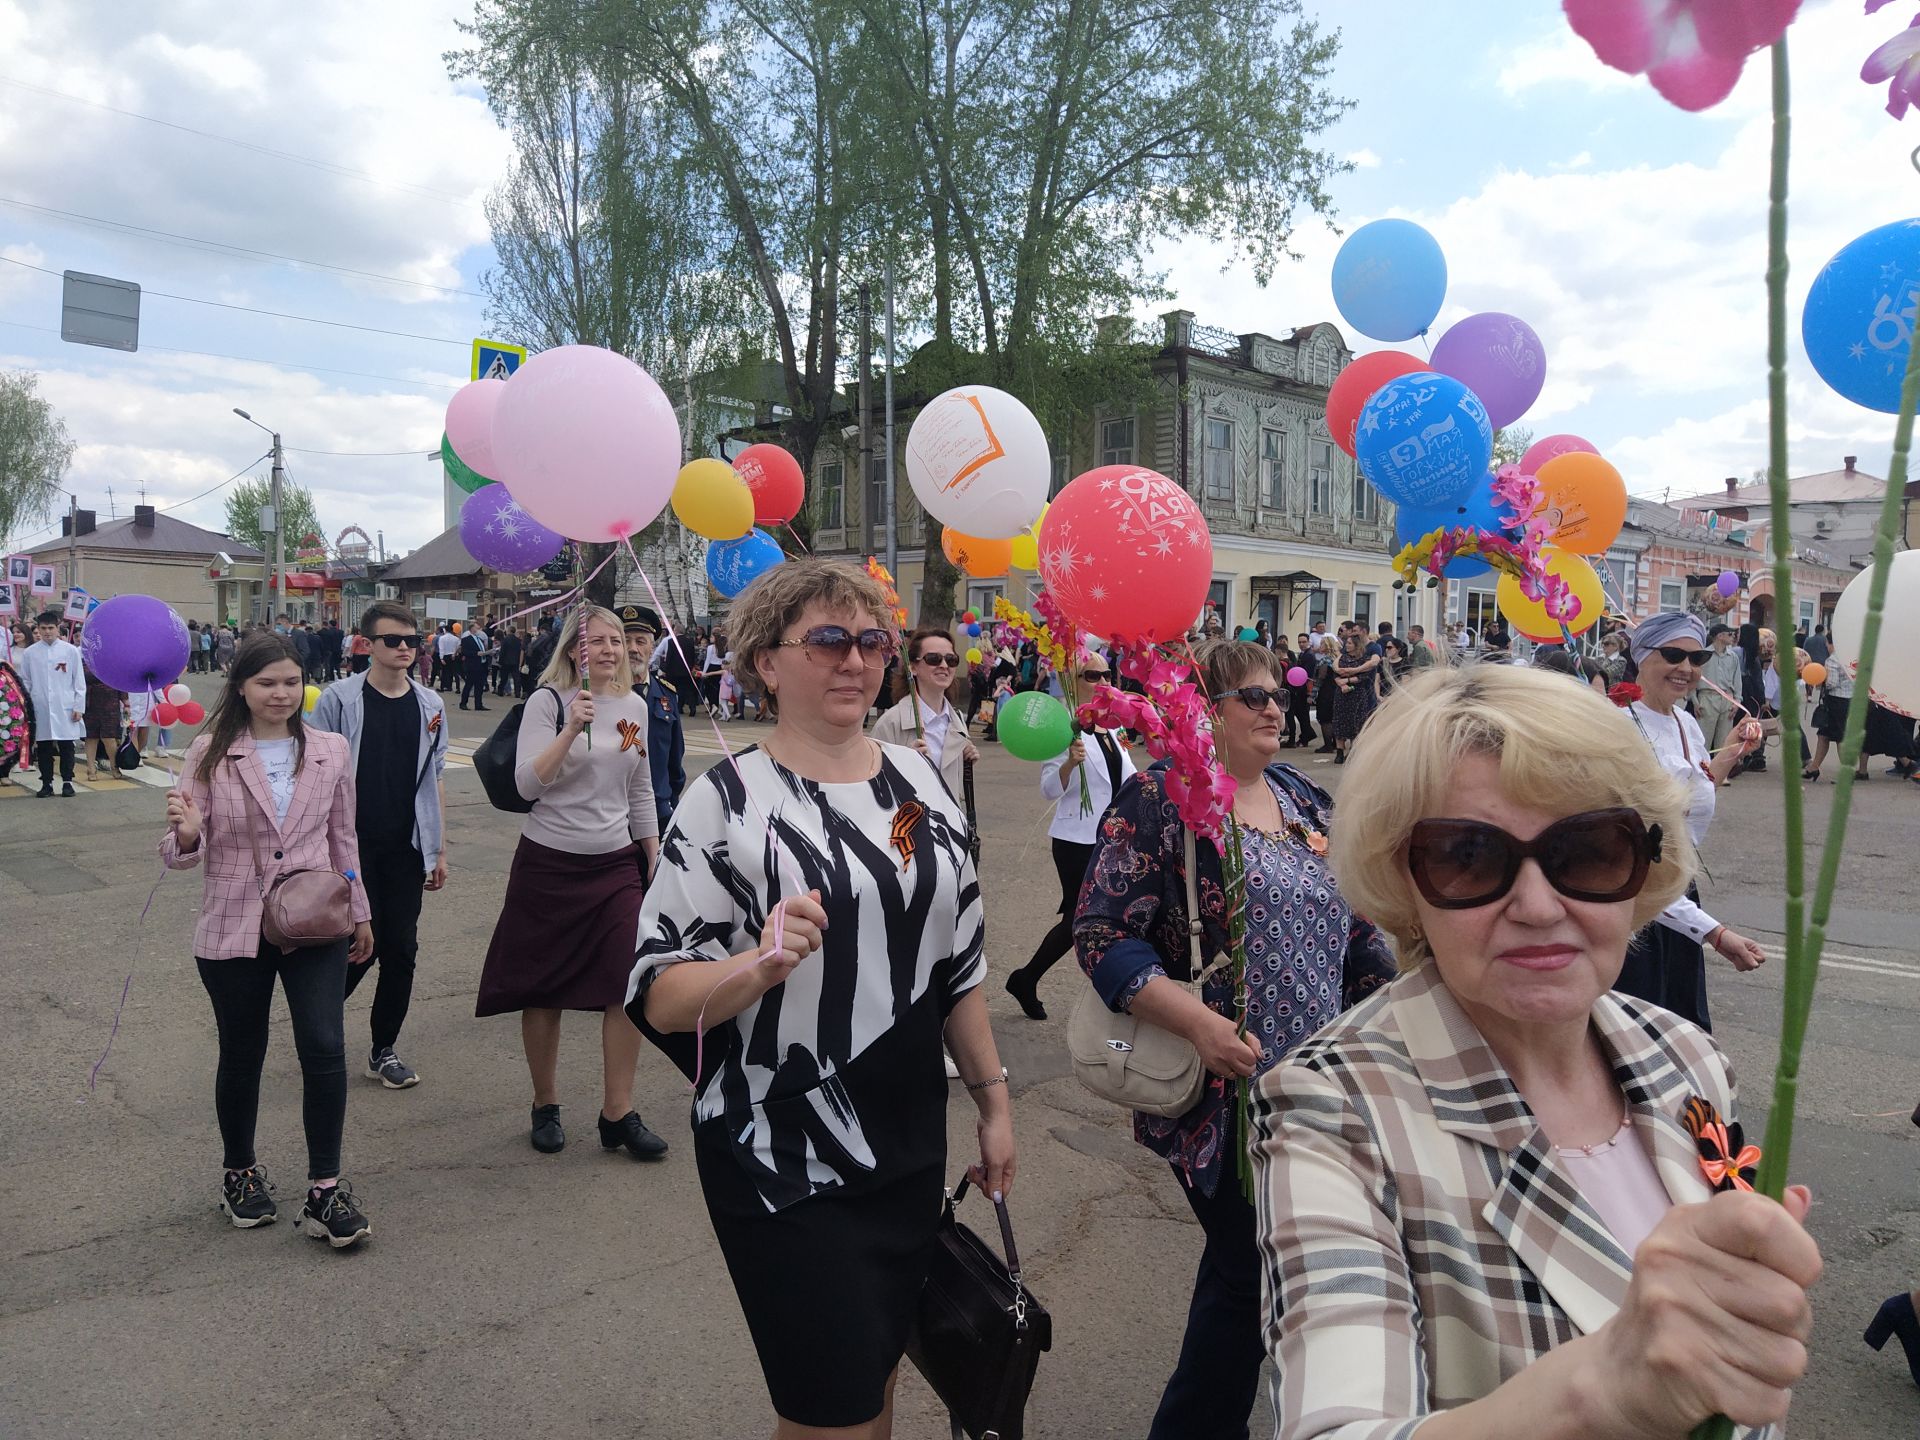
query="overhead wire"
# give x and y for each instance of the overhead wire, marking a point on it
(222, 247)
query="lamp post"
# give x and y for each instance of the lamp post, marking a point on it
(279, 521)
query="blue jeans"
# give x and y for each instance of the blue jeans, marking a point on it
(1212, 1390)
(315, 980)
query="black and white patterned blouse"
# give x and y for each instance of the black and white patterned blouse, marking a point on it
(833, 1078)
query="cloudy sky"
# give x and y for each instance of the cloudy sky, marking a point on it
(1630, 235)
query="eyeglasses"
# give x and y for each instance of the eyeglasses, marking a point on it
(950, 661)
(1256, 697)
(1095, 676)
(831, 644)
(1674, 655)
(399, 642)
(1599, 856)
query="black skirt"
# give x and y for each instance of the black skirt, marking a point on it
(566, 933)
(829, 1285)
(1666, 968)
(1833, 718)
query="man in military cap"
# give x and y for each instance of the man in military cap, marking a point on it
(666, 742)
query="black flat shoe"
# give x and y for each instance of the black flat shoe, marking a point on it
(1896, 1317)
(548, 1138)
(630, 1133)
(1021, 986)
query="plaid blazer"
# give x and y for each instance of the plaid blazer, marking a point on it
(318, 834)
(1420, 1243)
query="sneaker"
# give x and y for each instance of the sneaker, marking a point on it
(630, 1133)
(44, 793)
(389, 1069)
(66, 790)
(246, 1198)
(548, 1138)
(331, 1215)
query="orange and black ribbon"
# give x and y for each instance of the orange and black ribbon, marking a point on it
(630, 736)
(905, 820)
(1728, 1162)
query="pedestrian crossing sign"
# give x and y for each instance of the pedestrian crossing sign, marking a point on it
(495, 359)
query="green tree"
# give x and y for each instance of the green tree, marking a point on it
(35, 452)
(1510, 442)
(298, 516)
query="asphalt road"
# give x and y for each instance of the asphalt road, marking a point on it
(506, 1292)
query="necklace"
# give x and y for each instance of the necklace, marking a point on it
(1626, 1122)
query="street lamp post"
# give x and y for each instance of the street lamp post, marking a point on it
(279, 520)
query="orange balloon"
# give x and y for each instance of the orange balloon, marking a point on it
(456, 627)
(1530, 617)
(1585, 500)
(982, 559)
(1814, 674)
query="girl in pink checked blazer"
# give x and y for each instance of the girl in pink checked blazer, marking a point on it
(257, 768)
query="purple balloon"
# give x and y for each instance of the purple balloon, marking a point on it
(1499, 358)
(502, 536)
(135, 643)
(1728, 583)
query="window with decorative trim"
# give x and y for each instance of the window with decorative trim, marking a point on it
(829, 497)
(1057, 475)
(1673, 595)
(1117, 441)
(1320, 477)
(1366, 500)
(1219, 460)
(1273, 469)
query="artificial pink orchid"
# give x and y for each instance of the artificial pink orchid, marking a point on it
(1897, 62)
(1691, 50)
(1176, 725)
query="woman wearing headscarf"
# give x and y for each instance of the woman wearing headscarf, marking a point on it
(1666, 962)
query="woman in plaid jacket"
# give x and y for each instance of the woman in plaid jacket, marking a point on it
(1487, 1195)
(258, 777)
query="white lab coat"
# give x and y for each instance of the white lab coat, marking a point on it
(58, 684)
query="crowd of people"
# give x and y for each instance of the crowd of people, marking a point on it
(1470, 1017)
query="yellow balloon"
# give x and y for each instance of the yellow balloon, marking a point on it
(1530, 617)
(1026, 548)
(712, 500)
(974, 657)
(312, 699)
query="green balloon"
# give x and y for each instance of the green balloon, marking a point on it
(1034, 726)
(458, 470)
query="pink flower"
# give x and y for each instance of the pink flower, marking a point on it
(1691, 50)
(1897, 61)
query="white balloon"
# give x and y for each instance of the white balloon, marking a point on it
(1896, 660)
(978, 461)
(178, 694)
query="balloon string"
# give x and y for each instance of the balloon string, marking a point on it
(93, 1075)
(573, 594)
(777, 853)
(788, 526)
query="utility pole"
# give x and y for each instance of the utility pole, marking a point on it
(279, 530)
(893, 526)
(73, 540)
(866, 419)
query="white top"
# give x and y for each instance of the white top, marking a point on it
(1107, 758)
(277, 759)
(445, 643)
(1682, 751)
(934, 725)
(601, 798)
(711, 660)
(1619, 1181)
(53, 676)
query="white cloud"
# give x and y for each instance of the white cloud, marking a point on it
(1558, 59)
(1364, 159)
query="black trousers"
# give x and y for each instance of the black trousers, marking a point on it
(242, 993)
(395, 880)
(44, 751)
(1299, 717)
(1070, 862)
(475, 688)
(1212, 1390)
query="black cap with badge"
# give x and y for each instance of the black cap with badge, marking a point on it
(638, 617)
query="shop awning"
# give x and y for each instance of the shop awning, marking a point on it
(1295, 579)
(301, 580)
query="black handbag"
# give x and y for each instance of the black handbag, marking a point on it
(979, 1331)
(126, 757)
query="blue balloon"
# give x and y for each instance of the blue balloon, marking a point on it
(1858, 324)
(1389, 279)
(732, 565)
(974, 629)
(1477, 510)
(1424, 439)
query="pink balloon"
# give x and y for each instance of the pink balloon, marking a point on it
(1542, 451)
(469, 424)
(586, 442)
(1297, 676)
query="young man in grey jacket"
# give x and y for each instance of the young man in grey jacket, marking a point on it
(396, 729)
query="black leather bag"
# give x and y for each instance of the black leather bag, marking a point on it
(979, 1332)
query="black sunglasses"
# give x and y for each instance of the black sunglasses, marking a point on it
(1096, 676)
(831, 644)
(951, 662)
(1599, 856)
(396, 642)
(1255, 697)
(1674, 655)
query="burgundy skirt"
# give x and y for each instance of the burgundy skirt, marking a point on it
(567, 933)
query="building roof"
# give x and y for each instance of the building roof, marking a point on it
(442, 555)
(166, 536)
(1829, 487)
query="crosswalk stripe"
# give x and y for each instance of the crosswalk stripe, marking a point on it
(1865, 964)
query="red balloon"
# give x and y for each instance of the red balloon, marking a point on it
(1127, 554)
(1356, 385)
(774, 477)
(164, 714)
(192, 713)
